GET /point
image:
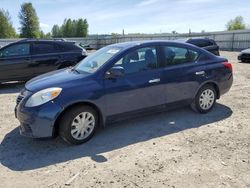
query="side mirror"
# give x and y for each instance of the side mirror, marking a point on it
(115, 72)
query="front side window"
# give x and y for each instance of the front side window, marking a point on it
(178, 55)
(43, 48)
(93, 62)
(15, 50)
(139, 60)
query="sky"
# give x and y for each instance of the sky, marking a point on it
(136, 16)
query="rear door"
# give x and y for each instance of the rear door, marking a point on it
(182, 74)
(14, 62)
(45, 57)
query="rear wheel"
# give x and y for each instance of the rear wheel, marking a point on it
(205, 99)
(78, 124)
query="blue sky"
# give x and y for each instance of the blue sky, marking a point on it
(136, 16)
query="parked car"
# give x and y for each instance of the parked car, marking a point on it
(86, 46)
(121, 81)
(244, 55)
(25, 59)
(205, 43)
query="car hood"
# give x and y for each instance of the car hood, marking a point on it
(59, 78)
(246, 51)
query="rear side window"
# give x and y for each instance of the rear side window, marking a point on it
(201, 42)
(67, 46)
(43, 48)
(15, 50)
(178, 55)
(211, 42)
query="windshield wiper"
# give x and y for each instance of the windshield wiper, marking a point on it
(74, 69)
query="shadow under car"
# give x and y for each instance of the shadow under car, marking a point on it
(20, 154)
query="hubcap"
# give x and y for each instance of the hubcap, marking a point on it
(206, 99)
(82, 125)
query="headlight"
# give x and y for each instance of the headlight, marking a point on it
(84, 52)
(43, 96)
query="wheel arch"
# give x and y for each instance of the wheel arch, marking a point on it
(84, 103)
(212, 83)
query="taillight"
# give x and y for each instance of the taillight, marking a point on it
(84, 52)
(228, 65)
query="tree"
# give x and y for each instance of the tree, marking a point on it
(29, 21)
(42, 35)
(82, 28)
(56, 31)
(174, 32)
(71, 28)
(67, 28)
(48, 35)
(6, 28)
(236, 24)
(86, 27)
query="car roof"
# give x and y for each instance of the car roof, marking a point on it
(131, 44)
(39, 40)
(194, 38)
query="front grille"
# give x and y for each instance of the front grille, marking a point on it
(24, 93)
(245, 55)
(19, 99)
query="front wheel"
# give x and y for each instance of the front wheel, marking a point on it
(205, 99)
(78, 124)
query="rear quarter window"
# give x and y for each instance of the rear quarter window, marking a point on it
(66, 47)
(43, 48)
(201, 42)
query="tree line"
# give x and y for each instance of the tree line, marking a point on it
(29, 25)
(71, 28)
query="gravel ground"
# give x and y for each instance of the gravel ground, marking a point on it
(179, 148)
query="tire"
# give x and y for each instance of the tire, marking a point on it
(205, 99)
(73, 130)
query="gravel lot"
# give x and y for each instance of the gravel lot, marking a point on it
(179, 148)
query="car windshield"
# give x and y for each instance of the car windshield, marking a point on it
(94, 61)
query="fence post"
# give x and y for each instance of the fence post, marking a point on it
(213, 37)
(233, 38)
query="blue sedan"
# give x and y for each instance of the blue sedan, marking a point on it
(120, 81)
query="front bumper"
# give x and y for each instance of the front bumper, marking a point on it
(244, 57)
(37, 122)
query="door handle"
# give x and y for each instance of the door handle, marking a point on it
(200, 72)
(154, 80)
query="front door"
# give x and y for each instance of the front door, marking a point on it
(141, 86)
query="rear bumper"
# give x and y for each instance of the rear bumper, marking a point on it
(37, 122)
(226, 84)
